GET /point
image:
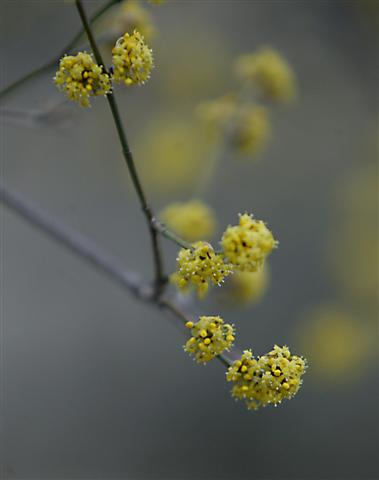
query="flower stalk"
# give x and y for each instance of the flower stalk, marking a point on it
(158, 264)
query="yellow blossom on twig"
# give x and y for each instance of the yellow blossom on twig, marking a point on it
(268, 379)
(247, 245)
(132, 59)
(210, 337)
(80, 78)
(200, 267)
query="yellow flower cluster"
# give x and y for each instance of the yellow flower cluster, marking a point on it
(247, 245)
(199, 267)
(130, 16)
(192, 220)
(246, 128)
(268, 379)
(270, 71)
(80, 78)
(210, 337)
(132, 59)
(250, 130)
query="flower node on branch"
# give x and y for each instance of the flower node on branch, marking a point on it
(80, 78)
(248, 244)
(210, 337)
(132, 59)
(268, 379)
(199, 267)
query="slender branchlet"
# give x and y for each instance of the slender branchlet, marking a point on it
(52, 63)
(158, 265)
(88, 251)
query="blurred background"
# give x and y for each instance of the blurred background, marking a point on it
(96, 384)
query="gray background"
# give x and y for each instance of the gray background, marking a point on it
(95, 384)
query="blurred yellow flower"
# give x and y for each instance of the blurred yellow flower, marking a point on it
(268, 379)
(337, 344)
(216, 113)
(246, 288)
(172, 154)
(210, 337)
(199, 267)
(192, 220)
(352, 249)
(130, 15)
(192, 66)
(270, 71)
(249, 130)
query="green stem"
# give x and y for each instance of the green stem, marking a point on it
(46, 66)
(159, 276)
(166, 232)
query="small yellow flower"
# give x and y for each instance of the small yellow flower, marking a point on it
(129, 16)
(270, 71)
(247, 287)
(200, 267)
(268, 379)
(132, 59)
(250, 130)
(247, 245)
(210, 337)
(80, 78)
(191, 220)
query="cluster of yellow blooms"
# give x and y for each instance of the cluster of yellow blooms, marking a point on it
(258, 381)
(192, 220)
(246, 128)
(235, 117)
(80, 78)
(247, 245)
(200, 266)
(270, 72)
(268, 379)
(210, 337)
(132, 59)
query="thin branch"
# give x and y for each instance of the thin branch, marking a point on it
(51, 63)
(75, 242)
(87, 250)
(158, 264)
(166, 232)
